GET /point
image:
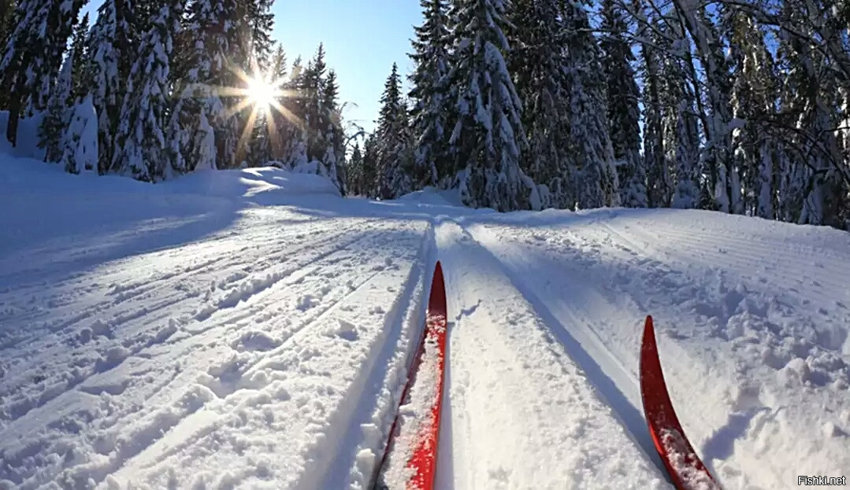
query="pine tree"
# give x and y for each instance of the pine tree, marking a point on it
(537, 63)
(280, 122)
(112, 49)
(81, 78)
(55, 122)
(354, 172)
(657, 174)
(596, 182)
(332, 132)
(33, 54)
(717, 157)
(261, 23)
(145, 150)
(394, 152)
(487, 130)
(430, 101)
(753, 99)
(80, 152)
(623, 110)
(369, 172)
(213, 32)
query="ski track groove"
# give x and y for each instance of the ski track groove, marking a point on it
(222, 395)
(314, 314)
(232, 260)
(26, 405)
(628, 415)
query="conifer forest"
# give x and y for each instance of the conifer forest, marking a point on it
(737, 106)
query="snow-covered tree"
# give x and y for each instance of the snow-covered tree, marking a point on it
(395, 154)
(111, 50)
(315, 140)
(753, 100)
(717, 154)
(623, 111)
(487, 132)
(80, 152)
(33, 54)
(537, 63)
(144, 148)
(81, 77)
(354, 172)
(596, 178)
(369, 168)
(657, 173)
(213, 37)
(430, 102)
(55, 122)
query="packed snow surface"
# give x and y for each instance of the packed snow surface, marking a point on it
(253, 329)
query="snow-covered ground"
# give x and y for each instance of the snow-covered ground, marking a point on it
(253, 329)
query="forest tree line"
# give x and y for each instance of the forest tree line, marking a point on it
(739, 106)
(159, 88)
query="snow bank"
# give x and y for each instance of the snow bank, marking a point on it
(27, 137)
(433, 196)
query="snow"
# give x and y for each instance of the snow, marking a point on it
(251, 328)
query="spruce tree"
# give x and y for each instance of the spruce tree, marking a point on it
(280, 122)
(112, 50)
(430, 101)
(596, 177)
(679, 122)
(657, 173)
(623, 110)
(753, 98)
(369, 172)
(537, 64)
(33, 54)
(487, 132)
(394, 152)
(332, 132)
(354, 172)
(79, 149)
(55, 122)
(82, 77)
(144, 148)
(207, 89)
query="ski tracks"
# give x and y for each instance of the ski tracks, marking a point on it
(594, 277)
(309, 338)
(522, 413)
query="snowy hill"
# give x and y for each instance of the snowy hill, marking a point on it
(252, 328)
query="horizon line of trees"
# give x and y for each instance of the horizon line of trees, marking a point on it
(159, 88)
(739, 106)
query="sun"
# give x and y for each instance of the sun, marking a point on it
(262, 94)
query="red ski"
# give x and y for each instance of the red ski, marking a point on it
(422, 464)
(684, 466)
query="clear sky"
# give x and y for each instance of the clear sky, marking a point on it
(362, 40)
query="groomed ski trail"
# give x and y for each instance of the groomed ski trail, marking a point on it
(749, 342)
(519, 412)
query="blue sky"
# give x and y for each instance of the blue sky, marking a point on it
(362, 40)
